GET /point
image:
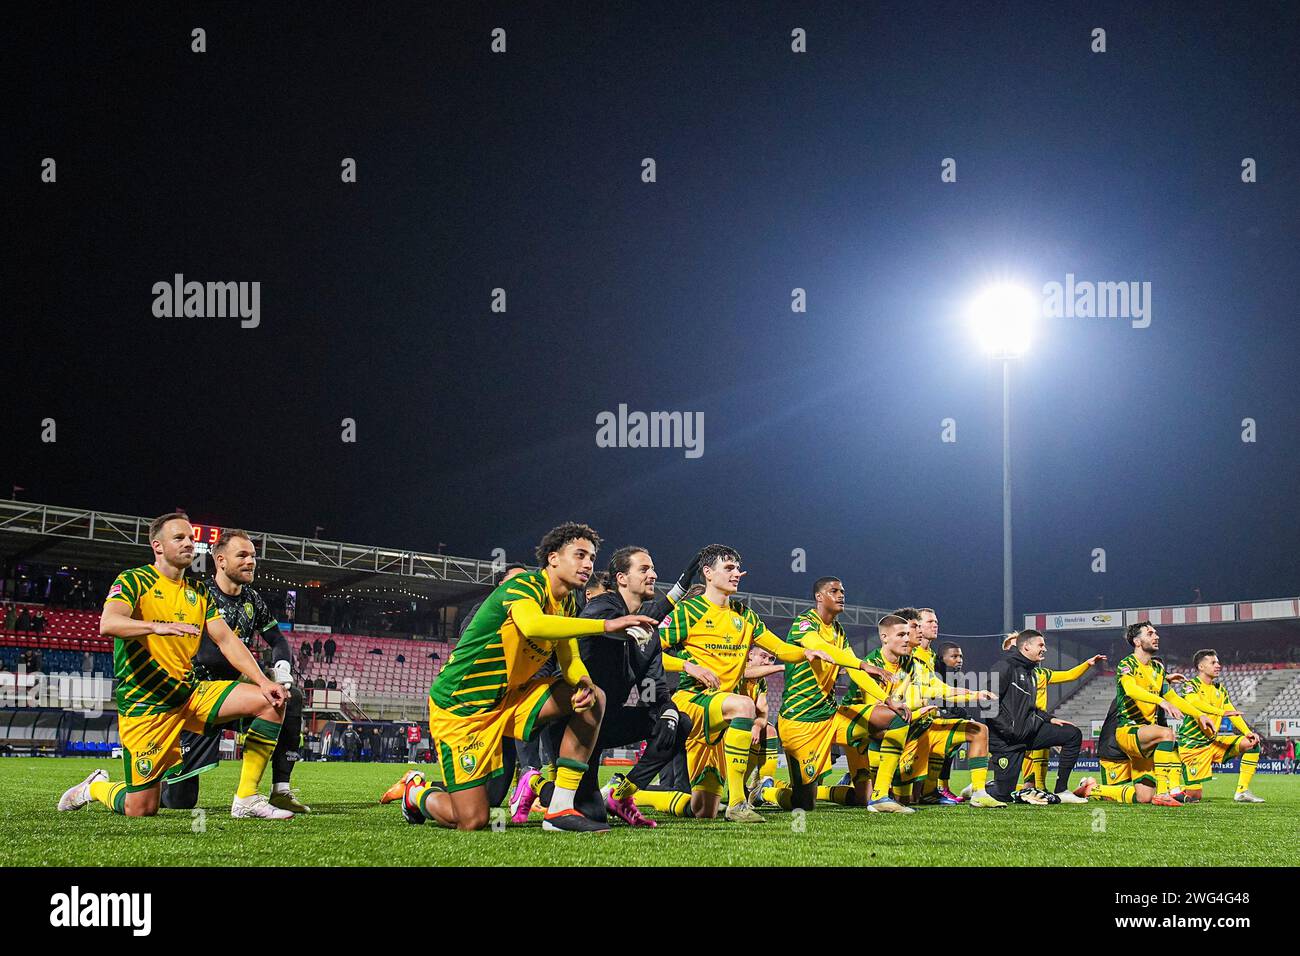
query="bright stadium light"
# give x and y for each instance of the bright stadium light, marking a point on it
(1003, 318)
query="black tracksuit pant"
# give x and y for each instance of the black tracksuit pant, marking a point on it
(1008, 757)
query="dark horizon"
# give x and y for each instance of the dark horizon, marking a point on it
(775, 171)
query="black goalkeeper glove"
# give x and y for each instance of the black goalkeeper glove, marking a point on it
(684, 582)
(666, 733)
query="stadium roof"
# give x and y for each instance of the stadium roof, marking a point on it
(1263, 620)
(77, 536)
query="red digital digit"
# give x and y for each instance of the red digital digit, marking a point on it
(213, 534)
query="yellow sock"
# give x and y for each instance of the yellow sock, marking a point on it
(735, 746)
(111, 795)
(536, 782)
(548, 772)
(769, 765)
(1169, 772)
(259, 744)
(841, 795)
(782, 797)
(891, 752)
(1115, 792)
(1040, 772)
(979, 773)
(624, 790)
(1249, 760)
(665, 801)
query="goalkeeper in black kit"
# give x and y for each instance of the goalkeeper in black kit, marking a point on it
(245, 611)
(628, 667)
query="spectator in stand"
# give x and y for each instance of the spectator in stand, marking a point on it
(305, 650)
(433, 656)
(24, 620)
(11, 618)
(330, 648)
(332, 685)
(318, 684)
(38, 622)
(315, 647)
(375, 650)
(401, 658)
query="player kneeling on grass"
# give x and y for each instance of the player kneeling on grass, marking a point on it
(811, 721)
(488, 689)
(714, 632)
(1022, 724)
(156, 616)
(1200, 751)
(1139, 756)
(914, 684)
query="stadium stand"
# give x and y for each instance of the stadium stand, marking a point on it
(378, 677)
(1258, 690)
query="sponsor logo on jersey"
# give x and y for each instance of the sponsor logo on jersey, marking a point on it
(157, 593)
(115, 590)
(805, 625)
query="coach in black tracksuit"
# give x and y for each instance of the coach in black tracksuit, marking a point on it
(630, 670)
(1019, 725)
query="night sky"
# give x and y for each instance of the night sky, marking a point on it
(775, 170)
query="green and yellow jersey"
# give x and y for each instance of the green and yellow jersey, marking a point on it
(925, 655)
(1132, 677)
(897, 672)
(1212, 699)
(717, 638)
(494, 655)
(153, 672)
(810, 685)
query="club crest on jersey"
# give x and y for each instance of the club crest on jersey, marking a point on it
(1003, 763)
(144, 766)
(191, 597)
(736, 622)
(810, 770)
(248, 609)
(468, 762)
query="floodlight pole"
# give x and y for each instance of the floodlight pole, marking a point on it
(1006, 495)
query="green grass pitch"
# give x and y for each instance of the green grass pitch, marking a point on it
(349, 828)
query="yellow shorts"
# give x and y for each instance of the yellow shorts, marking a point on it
(706, 761)
(469, 748)
(151, 745)
(807, 746)
(1198, 762)
(1115, 771)
(1142, 766)
(853, 733)
(945, 735)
